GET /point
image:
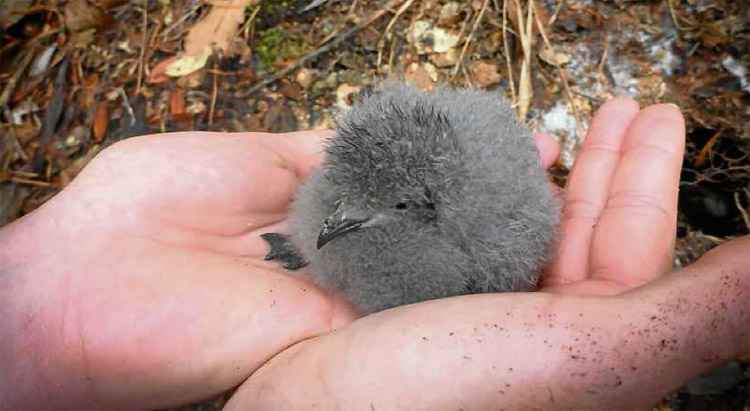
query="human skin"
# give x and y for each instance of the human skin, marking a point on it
(142, 285)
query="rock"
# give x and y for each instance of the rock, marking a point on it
(450, 14)
(304, 77)
(426, 38)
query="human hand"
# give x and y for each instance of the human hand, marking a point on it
(143, 285)
(608, 330)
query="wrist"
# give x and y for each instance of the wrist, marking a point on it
(30, 311)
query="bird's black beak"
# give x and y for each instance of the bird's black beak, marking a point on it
(338, 224)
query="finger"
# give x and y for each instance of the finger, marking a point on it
(300, 151)
(586, 192)
(635, 234)
(548, 149)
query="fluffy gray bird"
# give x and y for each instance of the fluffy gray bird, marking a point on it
(423, 196)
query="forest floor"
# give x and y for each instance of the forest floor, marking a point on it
(79, 75)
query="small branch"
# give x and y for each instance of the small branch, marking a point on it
(214, 94)
(141, 57)
(524, 82)
(11, 84)
(563, 78)
(386, 33)
(737, 203)
(506, 52)
(470, 38)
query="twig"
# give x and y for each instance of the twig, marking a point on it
(126, 104)
(553, 19)
(745, 217)
(141, 57)
(182, 19)
(674, 15)
(214, 94)
(11, 85)
(605, 54)
(14, 141)
(470, 38)
(21, 173)
(524, 82)
(322, 49)
(349, 16)
(563, 78)
(246, 27)
(395, 17)
(387, 32)
(506, 51)
(37, 183)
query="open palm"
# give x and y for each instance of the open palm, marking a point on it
(156, 245)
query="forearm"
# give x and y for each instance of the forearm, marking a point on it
(537, 351)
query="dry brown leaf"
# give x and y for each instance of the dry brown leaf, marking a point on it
(81, 15)
(218, 27)
(177, 102)
(12, 11)
(217, 30)
(158, 73)
(553, 57)
(484, 74)
(101, 121)
(187, 63)
(420, 76)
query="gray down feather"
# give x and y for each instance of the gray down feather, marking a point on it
(439, 194)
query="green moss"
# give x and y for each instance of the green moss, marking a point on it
(277, 44)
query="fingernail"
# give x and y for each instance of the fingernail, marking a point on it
(673, 105)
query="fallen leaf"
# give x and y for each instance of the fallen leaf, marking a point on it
(41, 63)
(280, 118)
(188, 63)
(447, 59)
(217, 28)
(101, 121)
(419, 76)
(158, 73)
(291, 90)
(193, 80)
(554, 58)
(484, 74)
(12, 11)
(81, 15)
(177, 102)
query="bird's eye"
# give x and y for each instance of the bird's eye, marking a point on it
(402, 206)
